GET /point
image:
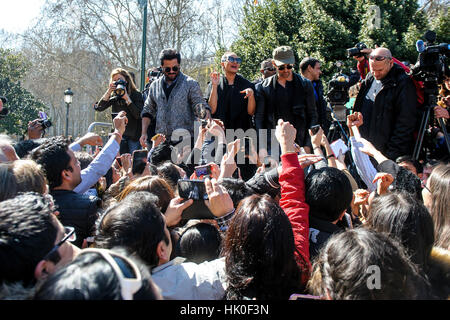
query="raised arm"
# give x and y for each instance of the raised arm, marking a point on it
(292, 182)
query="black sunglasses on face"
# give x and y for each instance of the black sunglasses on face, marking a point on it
(53, 255)
(233, 60)
(175, 69)
(289, 67)
(269, 69)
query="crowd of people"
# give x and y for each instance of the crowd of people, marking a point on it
(235, 194)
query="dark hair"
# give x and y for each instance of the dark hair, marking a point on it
(170, 173)
(199, 243)
(403, 217)
(53, 157)
(237, 189)
(24, 147)
(259, 252)
(90, 277)
(328, 193)
(169, 54)
(134, 223)
(162, 153)
(8, 182)
(409, 159)
(406, 181)
(84, 158)
(308, 61)
(27, 233)
(350, 261)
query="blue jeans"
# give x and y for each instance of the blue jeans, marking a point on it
(128, 145)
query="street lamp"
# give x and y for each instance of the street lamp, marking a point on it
(143, 5)
(68, 94)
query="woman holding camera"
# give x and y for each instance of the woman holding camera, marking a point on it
(122, 95)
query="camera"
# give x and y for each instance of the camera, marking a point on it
(121, 86)
(338, 87)
(430, 65)
(45, 123)
(356, 51)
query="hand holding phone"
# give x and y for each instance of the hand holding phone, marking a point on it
(195, 190)
(139, 161)
(201, 171)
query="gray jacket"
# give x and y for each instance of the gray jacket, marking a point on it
(185, 103)
(179, 280)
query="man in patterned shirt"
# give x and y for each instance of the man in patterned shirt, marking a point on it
(174, 100)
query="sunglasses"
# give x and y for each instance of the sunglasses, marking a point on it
(174, 69)
(232, 59)
(288, 66)
(269, 69)
(378, 58)
(127, 272)
(53, 255)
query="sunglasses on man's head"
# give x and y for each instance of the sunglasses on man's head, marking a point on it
(288, 66)
(378, 58)
(53, 255)
(175, 69)
(233, 60)
(126, 271)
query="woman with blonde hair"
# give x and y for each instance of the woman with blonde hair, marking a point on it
(122, 95)
(153, 184)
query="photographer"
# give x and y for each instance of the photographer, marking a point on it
(122, 95)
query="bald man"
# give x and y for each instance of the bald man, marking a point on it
(388, 102)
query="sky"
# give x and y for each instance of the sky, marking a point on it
(16, 15)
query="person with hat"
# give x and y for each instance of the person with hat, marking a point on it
(288, 96)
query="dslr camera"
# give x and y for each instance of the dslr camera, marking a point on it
(121, 86)
(356, 51)
(45, 123)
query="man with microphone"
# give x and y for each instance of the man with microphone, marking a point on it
(388, 102)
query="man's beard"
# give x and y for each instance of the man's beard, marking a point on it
(171, 76)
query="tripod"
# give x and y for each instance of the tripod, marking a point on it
(431, 101)
(339, 114)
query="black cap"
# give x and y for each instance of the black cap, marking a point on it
(4, 99)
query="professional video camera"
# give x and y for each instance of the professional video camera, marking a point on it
(356, 51)
(338, 86)
(430, 68)
(431, 64)
(121, 86)
(337, 97)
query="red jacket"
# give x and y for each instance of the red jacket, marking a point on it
(292, 182)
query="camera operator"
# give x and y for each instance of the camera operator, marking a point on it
(122, 95)
(388, 102)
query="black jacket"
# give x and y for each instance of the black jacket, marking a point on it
(231, 105)
(134, 125)
(304, 108)
(78, 211)
(324, 117)
(319, 233)
(394, 113)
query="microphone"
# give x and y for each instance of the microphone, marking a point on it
(420, 46)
